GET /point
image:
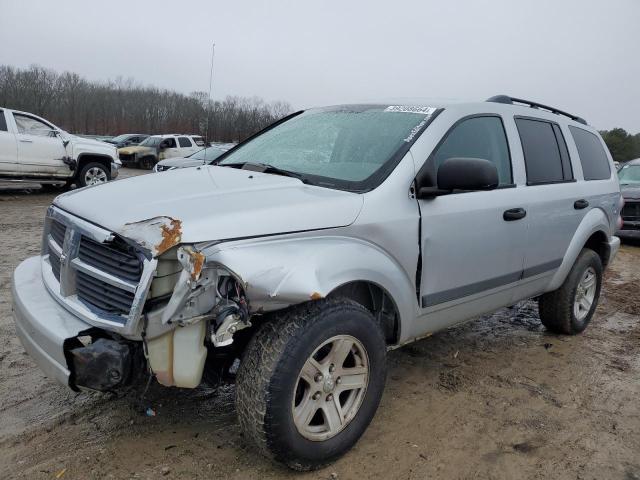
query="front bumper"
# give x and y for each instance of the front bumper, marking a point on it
(630, 229)
(42, 324)
(614, 246)
(628, 233)
(115, 167)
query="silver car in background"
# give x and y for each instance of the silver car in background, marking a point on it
(314, 247)
(202, 157)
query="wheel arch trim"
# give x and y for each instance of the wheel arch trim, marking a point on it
(280, 273)
(595, 222)
(87, 157)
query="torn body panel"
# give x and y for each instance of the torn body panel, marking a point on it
(156, 235)
(279, 273)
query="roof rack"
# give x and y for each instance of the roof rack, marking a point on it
(512, 100)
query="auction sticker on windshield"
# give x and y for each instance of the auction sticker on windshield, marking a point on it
(410, 109)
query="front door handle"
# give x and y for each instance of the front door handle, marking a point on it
(514, 214)
(580, 204)
(24, 140)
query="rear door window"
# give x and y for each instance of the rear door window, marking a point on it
(3, 122)
(545, 152)
(184, 142)
(594, 160)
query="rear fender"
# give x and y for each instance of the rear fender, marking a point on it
(595, 220)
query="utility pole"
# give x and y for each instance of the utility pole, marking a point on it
(213, 52)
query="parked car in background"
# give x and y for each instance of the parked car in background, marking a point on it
(204, 156)
(159, 147)
(629, 178)
(127, 139)
(34, 150)
(315, 246)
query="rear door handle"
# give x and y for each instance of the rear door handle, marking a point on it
(26, 141)
(514, 214)
(580, 204)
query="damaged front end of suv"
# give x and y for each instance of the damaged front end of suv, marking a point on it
(159, 306)
(292, 265)
(154, 304)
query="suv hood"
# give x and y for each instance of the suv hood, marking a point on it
(135, 149)
(209, 203)
(629, 191)
(91, 145)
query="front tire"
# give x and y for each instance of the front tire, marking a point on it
(147, 163)
(310, 382)
(56, 187)
(569, 309)
(93, 173)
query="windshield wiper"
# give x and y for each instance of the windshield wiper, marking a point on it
(267, 168)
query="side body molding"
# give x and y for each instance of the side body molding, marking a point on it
(282, 272)
(595, 220)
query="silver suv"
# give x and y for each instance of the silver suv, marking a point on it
(314, 247)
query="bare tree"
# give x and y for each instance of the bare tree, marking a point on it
(123, 106)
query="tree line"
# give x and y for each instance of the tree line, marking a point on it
(622, 145)
(120, 106)
(123, 106)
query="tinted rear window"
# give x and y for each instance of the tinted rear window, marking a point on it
(3, 122)
(595, 164)
(545, 155)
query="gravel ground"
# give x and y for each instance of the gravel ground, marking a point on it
(495, 398)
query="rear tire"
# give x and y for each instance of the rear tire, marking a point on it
(93, 173)
(289, 400)
(569, 309)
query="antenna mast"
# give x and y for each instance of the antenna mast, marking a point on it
(213, 52)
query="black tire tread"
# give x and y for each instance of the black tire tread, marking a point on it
(87, 166)
(556, 308)
(265, 351)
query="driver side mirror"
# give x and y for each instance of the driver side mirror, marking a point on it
(468, 174)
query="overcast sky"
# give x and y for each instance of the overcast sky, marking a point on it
(577, 55)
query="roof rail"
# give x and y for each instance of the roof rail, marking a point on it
(512, 100)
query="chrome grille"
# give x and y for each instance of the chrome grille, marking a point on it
(102, 295)
(94, 273)
(631, 211)
(58, 231)
(127, 157)
(54, 260)
(117, 258)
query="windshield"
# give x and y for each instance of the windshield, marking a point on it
(207, 154)
(151, 142)
(348, 147)
(629, 175)
(119, 138)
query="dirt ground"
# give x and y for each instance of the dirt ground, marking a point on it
(495, 398)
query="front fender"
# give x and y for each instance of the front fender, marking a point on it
(595, 220)
(284, 272)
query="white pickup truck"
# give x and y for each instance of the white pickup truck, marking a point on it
(34, 150)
